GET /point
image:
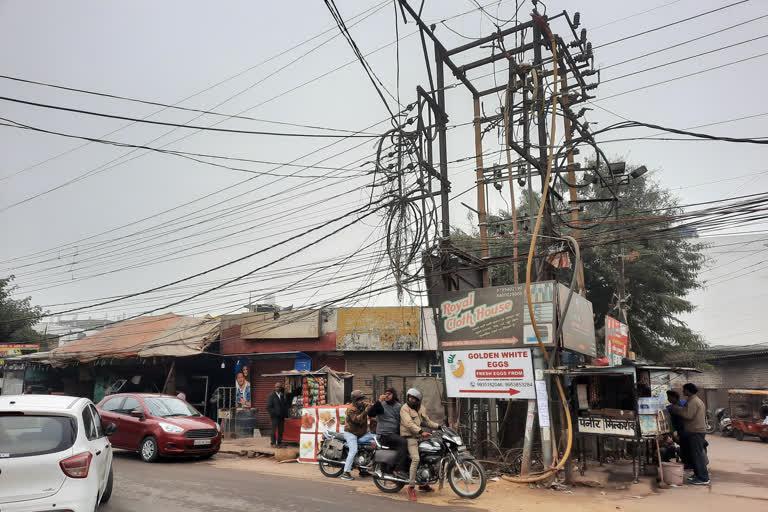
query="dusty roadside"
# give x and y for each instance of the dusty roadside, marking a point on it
(739, 481)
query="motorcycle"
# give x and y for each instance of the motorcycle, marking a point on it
(333, 454)
(442, 455)
(723, 422)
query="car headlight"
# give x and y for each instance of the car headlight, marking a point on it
(218, 427)
(171, 428)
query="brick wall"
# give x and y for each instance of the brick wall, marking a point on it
(232, 343)
(725, 374)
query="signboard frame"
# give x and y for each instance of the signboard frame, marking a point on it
(490, 373)
(616, 340)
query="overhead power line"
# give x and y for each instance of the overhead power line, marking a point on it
(188, 126)
(683, 76)
(176, 107)
(645, 32)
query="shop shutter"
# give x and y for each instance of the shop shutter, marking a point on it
(364, 365)
(261, 387)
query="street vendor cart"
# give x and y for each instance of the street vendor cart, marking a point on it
(749, 413)
(311, 389)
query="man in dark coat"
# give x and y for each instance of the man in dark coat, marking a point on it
(278, 406)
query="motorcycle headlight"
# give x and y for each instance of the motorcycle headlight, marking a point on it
(170, 428)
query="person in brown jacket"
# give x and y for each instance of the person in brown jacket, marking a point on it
(413, 416)
(355, 429)
(694, 416)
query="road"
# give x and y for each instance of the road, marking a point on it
(186, 486)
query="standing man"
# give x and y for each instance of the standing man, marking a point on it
(694, 416)
(678, 427)
(278, 407)
(387, 411)
(356, 429)
(413, 416)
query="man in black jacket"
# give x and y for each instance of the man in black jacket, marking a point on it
(387, 412)
(278, 406)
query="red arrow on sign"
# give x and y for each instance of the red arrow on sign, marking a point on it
(512, 391)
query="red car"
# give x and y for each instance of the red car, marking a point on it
(157, 425)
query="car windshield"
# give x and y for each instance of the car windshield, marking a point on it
(25, 436)
(163, 407)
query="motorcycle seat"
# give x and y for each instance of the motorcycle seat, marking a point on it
(340, 437)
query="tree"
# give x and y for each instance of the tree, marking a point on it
(17, 316)
(662, 260)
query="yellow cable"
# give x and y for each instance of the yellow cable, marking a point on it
(567, 411)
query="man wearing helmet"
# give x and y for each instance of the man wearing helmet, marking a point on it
(413, 417)
(355, 429)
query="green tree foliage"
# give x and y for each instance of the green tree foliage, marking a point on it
(17, 316)
(662, 260)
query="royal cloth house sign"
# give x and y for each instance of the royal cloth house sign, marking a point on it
(482, 318)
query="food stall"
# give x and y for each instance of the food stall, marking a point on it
(318, 391)
(615, 413)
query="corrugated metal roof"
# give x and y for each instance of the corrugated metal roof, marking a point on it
(165, 335)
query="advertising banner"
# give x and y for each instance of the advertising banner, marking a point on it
(482, 318)
(9, 350)
(502, 373)
(393, 328)
(616, 340)
(578, 324)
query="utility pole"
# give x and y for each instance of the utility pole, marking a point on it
(572, 182)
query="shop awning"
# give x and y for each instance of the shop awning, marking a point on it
(166, 335)
(325, 370)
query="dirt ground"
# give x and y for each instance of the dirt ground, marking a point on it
(738, 470)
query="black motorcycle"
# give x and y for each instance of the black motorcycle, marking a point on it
(441, 456)
(333, 454)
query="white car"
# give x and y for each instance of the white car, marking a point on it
(54, 454)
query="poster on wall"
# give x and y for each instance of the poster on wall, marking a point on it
(481, 318)
(9, 350)
(616, 341)
(501, 373)
(578, 324)
(395, 328)
(242, 384)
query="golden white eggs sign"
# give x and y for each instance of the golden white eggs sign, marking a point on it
(503, 373)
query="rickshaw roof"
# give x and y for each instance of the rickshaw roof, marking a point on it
(763, 392)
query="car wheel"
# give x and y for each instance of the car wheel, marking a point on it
(148, 451)
(108, 490)
(738, 434)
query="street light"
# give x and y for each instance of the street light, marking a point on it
(639, 172)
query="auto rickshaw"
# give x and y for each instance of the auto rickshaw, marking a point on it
(749, 409)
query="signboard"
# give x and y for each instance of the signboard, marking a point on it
(482, 318)
(606, 426)
(501, 373)
(543, 295)
(396, 328)
(578, 324)
(9, 350)
(281, 325)
(616, 340)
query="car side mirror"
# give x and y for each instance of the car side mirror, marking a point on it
(110, 429)
(138, 414)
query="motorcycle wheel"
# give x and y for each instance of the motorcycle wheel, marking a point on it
(385, 485)
(710, 422)
(461, 486)
(329, 470)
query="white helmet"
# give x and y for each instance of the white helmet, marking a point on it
(415, 393)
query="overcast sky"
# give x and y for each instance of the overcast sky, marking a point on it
(231, 57)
